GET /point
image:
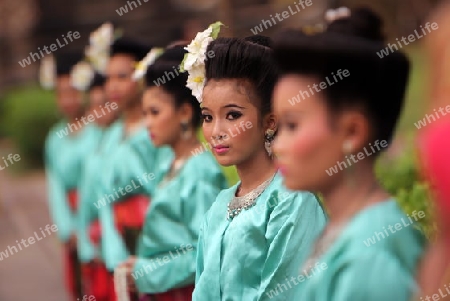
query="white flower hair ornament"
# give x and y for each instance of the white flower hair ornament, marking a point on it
(100, 40)
(194, 60)
(148, 60)
(47, 72)
(82, 75)
(336, 14)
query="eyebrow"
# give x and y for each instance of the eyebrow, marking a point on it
(227, 106)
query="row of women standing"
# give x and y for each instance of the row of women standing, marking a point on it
(267, 237)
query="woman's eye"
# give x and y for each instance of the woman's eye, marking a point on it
(123, 76)
(154, 112)
(291, 126)
(288, 125)
(233, 115)
(206, 118)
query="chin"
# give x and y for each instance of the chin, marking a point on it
(224, 160)
(293, 183)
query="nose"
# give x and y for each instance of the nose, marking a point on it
(277, 144)
(218, 133)
(147, 122)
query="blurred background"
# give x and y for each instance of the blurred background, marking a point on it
(27, 112)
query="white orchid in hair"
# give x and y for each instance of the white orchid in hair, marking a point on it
(148, 60)
(100, 40)
(194, 60)
(47, 72)
(336, 14)
(81, 76)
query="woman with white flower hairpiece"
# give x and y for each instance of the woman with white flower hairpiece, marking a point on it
(67, 145)
(256, 232)
(164, 267)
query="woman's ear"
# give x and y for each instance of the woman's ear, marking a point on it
(185, 112)
(355, 129)
(271, 122)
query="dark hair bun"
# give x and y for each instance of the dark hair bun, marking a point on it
(260, 40)
(363, 23)
(131, 47)
(249, 59)
(66, 61)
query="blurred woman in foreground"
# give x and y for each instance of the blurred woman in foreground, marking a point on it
(328, 143)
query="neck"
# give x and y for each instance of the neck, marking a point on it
(132, 114)
(182, 147)
(76, 120)
(132, 117)
(255, 171)
(344, 200)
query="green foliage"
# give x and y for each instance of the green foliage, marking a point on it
(402, 179)
(27, 115)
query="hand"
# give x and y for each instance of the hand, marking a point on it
(129, 265)
(72, 242)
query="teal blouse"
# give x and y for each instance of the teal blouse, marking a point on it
(243, 258)
(94, 164)
(64, 158)
(374, 258)
(168, 245)
(134, 163)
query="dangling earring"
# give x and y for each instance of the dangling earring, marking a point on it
(269, 137)
(186, 133)
(347, 148)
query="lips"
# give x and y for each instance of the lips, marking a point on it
(221, 149)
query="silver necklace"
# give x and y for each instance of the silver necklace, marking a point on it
(177, 165)
(247, 201)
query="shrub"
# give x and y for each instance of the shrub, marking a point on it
(28, 114)
(401, 177)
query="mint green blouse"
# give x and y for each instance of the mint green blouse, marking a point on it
(134, 163)
(374, 258)
(168, 245)
(94, 164)
(243, 258)
(64, 158)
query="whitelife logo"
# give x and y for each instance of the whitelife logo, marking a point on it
(53, 47)
(411, 38)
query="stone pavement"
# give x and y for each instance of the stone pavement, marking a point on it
(35, 272)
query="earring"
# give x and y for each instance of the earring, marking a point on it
(269, 137)
(186, 133)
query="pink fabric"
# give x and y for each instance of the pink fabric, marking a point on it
(435, 155)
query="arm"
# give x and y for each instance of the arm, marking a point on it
(291, 231)
(177, 269)
(86, 214)
(59, 206)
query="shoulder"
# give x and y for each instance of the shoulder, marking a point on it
(203, 167)
(52, 135)
(385, 231)
(374, 276)
(281, 198)
(388, 225)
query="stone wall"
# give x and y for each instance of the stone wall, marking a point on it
(26, 25)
